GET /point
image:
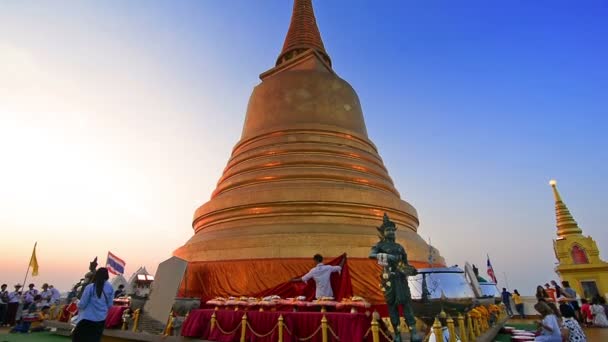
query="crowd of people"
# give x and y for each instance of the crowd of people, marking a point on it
(562, 315)
(32, 301)
(19, 309)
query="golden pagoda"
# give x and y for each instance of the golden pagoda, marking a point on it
(578, 255)
(304, 178)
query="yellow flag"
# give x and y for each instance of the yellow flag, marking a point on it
(34, 262)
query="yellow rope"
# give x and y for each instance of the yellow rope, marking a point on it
(332, 332)
(262, 335)
(302, 339)
(367, 332)
(217, 325)
(385, 335)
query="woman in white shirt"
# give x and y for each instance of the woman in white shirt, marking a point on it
(599, 314)
(549, 328)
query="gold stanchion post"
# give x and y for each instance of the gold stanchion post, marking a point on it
(461, 330)
(324, 328)
(124, 322)
(213, 318)
(403, 326)
(281, 328)
(470, 329)
(169, 325)
(243, 327)
(451, 329)
(375, 330)
(437, 330)
(136, 319)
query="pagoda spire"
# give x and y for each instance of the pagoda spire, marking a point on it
(566, 225)
(303, 33)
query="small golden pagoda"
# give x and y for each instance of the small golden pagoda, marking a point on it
(578, 255)
(304, 178)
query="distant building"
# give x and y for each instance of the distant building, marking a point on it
(139, 283)
(578, 256)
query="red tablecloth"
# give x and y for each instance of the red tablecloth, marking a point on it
(114, 318)
(347, 326)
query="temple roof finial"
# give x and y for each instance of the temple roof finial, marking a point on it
(566, 225)
(303, 33)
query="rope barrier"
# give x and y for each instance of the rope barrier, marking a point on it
(217, 325)
(332, 332)
(262, 335)
(367, 332)
(302, 339)
(385, 335)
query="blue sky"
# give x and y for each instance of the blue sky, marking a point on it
(132, 109)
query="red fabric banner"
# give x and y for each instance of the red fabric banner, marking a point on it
(340, 284)
(252, 277)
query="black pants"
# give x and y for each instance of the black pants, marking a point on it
(3, 311)
(88, 331)
(11, 313)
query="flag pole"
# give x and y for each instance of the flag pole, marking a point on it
(29, 264)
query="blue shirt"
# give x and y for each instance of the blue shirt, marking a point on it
(95, 308)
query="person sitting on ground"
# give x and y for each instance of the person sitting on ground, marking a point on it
(599, 314)
(321, 274)
(575, 332)
(32, 314)
(44, 314)
(548, 327)
(586, 315)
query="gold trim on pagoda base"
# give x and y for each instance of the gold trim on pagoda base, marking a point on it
(270, 242)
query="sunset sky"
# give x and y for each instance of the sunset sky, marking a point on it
(118, 117)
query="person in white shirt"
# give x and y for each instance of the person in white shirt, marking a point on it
(28, 296)
(46, 294)
(321, 274)
(55, 295)
(13, 304)
(549, 327)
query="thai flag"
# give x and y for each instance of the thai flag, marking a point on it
(491, 271)
(115, 265)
